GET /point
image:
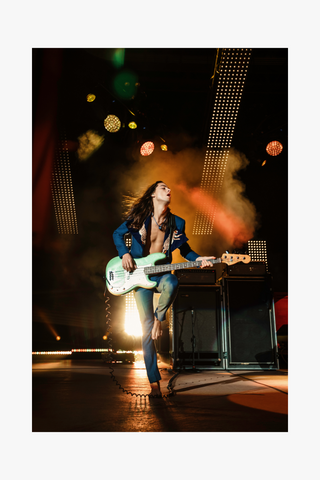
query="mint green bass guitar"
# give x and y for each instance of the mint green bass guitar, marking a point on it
(120, 282)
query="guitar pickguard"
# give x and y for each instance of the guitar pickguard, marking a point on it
(120, 282)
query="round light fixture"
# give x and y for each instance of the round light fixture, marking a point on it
(112, 123)
(132, 125)
(147, 148)
(274, 148)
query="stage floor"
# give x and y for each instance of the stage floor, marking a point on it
(71, 395)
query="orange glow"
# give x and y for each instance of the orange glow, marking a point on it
(58, 338)
(147, 148)
(268, 401)
(231, 228)
(274, 148)
(46, 320)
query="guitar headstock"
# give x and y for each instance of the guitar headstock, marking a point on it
(231, 258)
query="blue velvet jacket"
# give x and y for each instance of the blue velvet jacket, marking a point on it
(179, 240)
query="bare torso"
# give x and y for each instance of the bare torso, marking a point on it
(155, 238)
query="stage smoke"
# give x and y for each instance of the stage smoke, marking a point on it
(89, 143)
(236, 218)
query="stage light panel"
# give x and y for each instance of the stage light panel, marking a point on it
(62, 191)
(274, 148)
(229, 91)
(112, 123)
(132, 324)
(257, 249)
(146, 149)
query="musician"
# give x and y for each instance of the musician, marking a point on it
(148, 222)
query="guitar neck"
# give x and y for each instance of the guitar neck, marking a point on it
(176, 266)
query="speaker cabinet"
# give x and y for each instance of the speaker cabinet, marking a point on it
(250, 323)
(195, 336)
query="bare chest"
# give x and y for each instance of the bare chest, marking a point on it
(155, 239)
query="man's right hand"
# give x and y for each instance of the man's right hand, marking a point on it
(128, 263)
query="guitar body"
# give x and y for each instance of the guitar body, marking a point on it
(120, 282)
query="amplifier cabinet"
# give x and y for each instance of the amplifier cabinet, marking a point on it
(253, 269)
(196, 276)
(250, 323)
(195, 335)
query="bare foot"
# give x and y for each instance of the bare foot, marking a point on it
(156, 330)
(155, 389)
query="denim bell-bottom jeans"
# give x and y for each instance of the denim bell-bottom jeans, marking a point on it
(167, 286)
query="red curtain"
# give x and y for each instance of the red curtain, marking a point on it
(44, 143)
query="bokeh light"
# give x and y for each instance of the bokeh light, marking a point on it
(132, 125)
(274, 148)
(164, 148)
(146, 149)
(125, 84)
(91, 97)
(112, 123)
(118, 57)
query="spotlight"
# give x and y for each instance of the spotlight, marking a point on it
(147, 148)
(274, 148)
(91, 97)
(112, 123)
(164, 148)
(58, 338)
(132, 125)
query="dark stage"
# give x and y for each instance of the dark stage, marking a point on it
(80, 396)
(211, 112)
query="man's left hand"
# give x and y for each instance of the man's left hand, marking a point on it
(205, 261)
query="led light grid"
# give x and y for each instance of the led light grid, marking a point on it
(257, 250)
(128, 240)
(232, 74)
(62, 191)
(132, 320)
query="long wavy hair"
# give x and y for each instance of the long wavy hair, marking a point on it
(138, 209)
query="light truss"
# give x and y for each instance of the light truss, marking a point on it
(62, 190)
(257, 250)
(232, 74)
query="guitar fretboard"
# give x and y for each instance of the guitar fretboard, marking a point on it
(176, 266)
